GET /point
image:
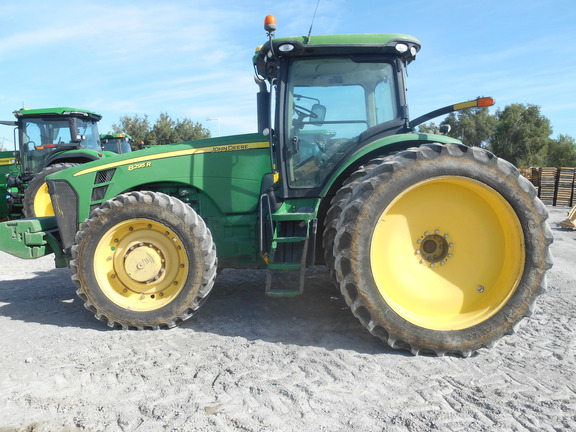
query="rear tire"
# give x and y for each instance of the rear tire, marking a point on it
(442, 249)
(37, 202)
(143, 260)
(337, 204)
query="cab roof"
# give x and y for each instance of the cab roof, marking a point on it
(59, 111)
(400, 45)
(115, 135)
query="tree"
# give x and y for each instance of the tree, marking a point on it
(475, 127)
(428, 128)
(137, 127)
(164, 131)
(521, 135)
(562, 152)
(187, 130)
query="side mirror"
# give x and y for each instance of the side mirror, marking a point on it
(445, 129)
(318, 114)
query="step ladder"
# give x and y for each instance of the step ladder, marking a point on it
(289, 252)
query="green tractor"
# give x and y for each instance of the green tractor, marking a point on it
(435, 246)
(50, 140)
(8, 168)
(116, 142)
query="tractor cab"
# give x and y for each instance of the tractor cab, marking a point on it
(330, 100)
(116, 143)
(45, 133)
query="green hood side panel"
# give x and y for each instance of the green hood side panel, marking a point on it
(221, 178)
(226, 172)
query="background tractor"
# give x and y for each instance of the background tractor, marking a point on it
(117, 142)
(50, 140)
(436, 247)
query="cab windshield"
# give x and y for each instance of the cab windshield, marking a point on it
(329, 103)
(89, 135)
(116, 145)
(43, 137)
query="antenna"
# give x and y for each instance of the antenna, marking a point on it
(313, 17)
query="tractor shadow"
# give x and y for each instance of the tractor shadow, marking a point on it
(49, 298)
(237, 307)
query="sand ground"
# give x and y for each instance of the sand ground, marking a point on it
(251, 363)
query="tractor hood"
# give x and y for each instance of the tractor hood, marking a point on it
(217, 175)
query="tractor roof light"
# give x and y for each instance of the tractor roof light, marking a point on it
(401, 48)
(270, 24)
(286, 47)
(75, 113)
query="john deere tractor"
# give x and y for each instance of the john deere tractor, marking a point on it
(116, 142)
(50, 140)
(436, 247)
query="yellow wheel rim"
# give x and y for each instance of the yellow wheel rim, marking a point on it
(42, 202)
(140, 264)
(447, 253)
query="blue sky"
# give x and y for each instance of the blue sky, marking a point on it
(193, 58)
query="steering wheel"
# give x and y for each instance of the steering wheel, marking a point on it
(304, 112)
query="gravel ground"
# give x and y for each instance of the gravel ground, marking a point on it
(251, 363)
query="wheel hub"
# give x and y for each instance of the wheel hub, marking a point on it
(434, 248)
(144, 263)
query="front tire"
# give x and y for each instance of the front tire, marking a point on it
(144, 260)
(37, 202)
(442, 249)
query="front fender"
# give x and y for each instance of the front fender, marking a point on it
(76, 156)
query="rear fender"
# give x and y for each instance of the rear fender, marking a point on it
(380, 147)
